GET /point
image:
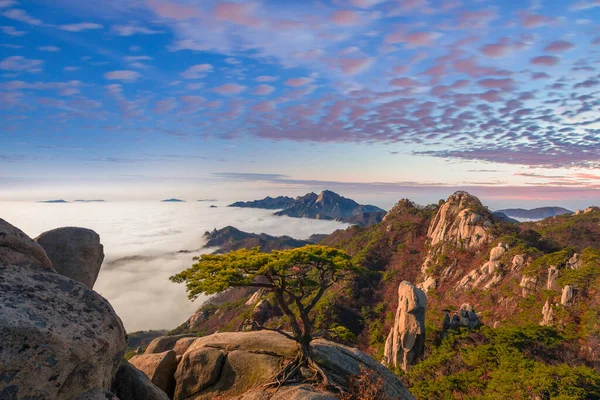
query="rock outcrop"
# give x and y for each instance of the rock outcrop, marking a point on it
(237, 364)
(465, 317)
(74, 252)
(159, 368)
(568, 292)
(57, 333)
(406, 340)
(461, 220)
(547, 314)
(16, 248)
(488, 273)
(529, 284)
(132, 384)
(553, 274)
(165, 343)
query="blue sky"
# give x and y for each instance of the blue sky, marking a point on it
(276, 96)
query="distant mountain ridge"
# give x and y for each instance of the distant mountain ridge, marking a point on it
(535, 213)
(230, 238)
(268, 203)
(326, 205)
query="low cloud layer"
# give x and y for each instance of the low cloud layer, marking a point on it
(141, 243)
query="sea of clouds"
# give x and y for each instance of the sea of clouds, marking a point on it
(142, 241)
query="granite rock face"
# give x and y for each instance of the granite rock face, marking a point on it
(57, 333)
(159, 368)
(16, 248)
(406, 340)
(74, 252)
(132, 384)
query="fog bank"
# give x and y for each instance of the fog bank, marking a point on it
(141, 243)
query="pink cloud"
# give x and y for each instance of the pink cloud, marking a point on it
(532, 20)
(163, 106)
(500, 49)
(345, 17)
(172, 10)
(413, 38)
(263, 90)
(197, 71)
(123, 75)
(308, 54)
(353, 66)
(502, 84)
(229, 88)
(491, 96)
(475, 19)
(559, 46)
(545, 60)
(297, 82)
(238, 13)
(265, 106)
(404, 82)
(20, 63)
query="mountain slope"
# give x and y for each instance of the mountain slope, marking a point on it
(230, 238)
(535, 213)
(268, 203)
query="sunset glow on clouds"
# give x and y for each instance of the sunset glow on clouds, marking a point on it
(422, 91)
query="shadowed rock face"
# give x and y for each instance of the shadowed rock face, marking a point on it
(131, 384)
(406, 340)
(74, 252)
(57, 333)
(16, 248)
(159, 367)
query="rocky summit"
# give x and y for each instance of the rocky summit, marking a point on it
(326, 205)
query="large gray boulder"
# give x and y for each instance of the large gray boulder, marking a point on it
(132, 384)
(16, 248)
(58, 338)
(238, 364)
(406, 340)
(74, 252)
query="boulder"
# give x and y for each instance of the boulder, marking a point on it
(497, 252)
(132, 384)
(237, 364)
(74, 252)
(183, 344)
(406, 340)
(467, 316)
(547, 314)
(57, 333)
(164, 343)
(159, 368)
(16, 248)
(529, 284)
(568, 292)
(518, 261)
(553, 274)
(198, 369)
(574, 262)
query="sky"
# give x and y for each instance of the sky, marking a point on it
(378, 99)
